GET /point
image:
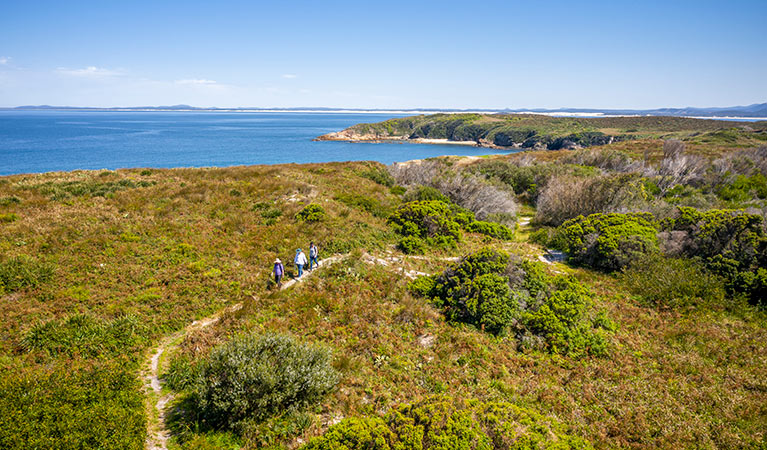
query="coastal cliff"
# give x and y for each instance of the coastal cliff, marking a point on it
(538, 132)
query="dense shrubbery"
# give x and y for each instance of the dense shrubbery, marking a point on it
(731, 243)
(23, 272)
(469, 191)
(311, 213)
(254, 377)
(72, 409)
(379, 175)
(87, 336)
(436, 223)
(672, 282)
(608, 241)
(568, 197)
(486, 290)
(444, 423)
(526, 176)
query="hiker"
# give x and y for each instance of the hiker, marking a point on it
(279, 271)
(300, 261)
(313, 253)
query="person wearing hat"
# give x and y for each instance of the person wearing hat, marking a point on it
(279, 271)
(300, 261)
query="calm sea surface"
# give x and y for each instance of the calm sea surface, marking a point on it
(43, 141)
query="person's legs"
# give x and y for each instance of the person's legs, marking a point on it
(300, 270)
(312, 262)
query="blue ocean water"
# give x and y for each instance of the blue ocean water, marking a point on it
(43, 141)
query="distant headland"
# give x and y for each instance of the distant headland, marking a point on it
(754, 111)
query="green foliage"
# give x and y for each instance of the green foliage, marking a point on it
(441, 423)
(608, 241)
(91, 188)
(10, 200)
(486, 290)
(73, 409)
(22, 272)
(529, 180)
(729, 242)
(672, 282)
(379, 175)
(428, 220)
(492, 229)
(364, 203)
(423, 193)
(311, 213)
(411, 245)
(8, 217)
(255, 377)
(753, 285)
(89, 337)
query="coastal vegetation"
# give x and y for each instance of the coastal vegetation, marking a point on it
(533, 131)
(442, 319)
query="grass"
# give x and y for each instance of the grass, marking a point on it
(183, 245)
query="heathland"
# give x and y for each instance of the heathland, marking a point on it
(443, 316)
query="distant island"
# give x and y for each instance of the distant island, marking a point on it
(756, 110)
(541, 132)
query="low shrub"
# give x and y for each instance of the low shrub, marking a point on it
(379, 175)
(364, 203)
(729, 242)
(89, 337)
(66, 189)
(10, 200)
(411, 245)
(487, 290)
(427, 219)
(254, 377)
(311, 213)
(8, 217)
(71, 408)
(419, 193)
(672, 282)
(492, 229)
(445, 423)
(608, 241)
(22, 272)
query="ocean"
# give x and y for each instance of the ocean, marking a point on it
(44, 141)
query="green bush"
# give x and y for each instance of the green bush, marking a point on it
(411, 245)
(672, 282)
(732, 244)
(71, 408)
(608, 241)
(492, 229)
(443, 423)
(364, 203)
(87, 336)
(421, 193)
(255, 377)
(8, 201)
(8, 217)
(487, 290)
(379, 175)
(427, 219)
(311, 213)
(22, 272)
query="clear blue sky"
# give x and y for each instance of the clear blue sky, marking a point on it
(393, 54)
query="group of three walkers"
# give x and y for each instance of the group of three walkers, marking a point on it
(299, 260)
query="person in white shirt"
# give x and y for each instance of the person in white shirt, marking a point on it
(300, 261)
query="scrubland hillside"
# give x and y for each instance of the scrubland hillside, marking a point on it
(441, 322)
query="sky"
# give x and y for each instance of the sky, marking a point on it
(393, 54)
